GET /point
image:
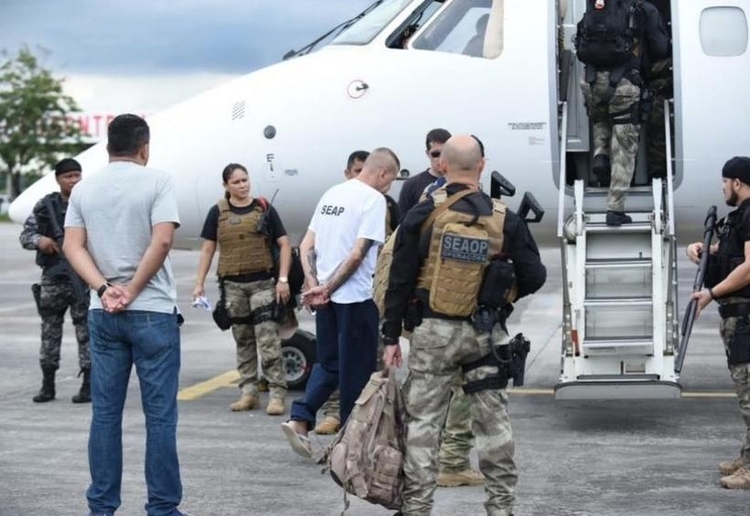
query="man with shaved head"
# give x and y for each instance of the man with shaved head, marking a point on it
(338, 255)
(472, 257)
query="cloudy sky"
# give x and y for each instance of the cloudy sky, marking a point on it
(142, 56)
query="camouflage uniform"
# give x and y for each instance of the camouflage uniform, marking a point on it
(619, 142)
(438, 349)
(254, 301)
(56, 294)
(457, 438)
(741, 377)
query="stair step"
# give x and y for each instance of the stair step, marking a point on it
(633, 377)
(617, 343)
(633, 191)
(618, 301)
(634, 227)
(601, 263)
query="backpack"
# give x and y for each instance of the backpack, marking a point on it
(606, 35)
(366, 457)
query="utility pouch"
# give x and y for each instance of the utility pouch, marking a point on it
(220, 313)
(497, 284)
(413, 316)
(36, 290)
(646, 105)
(738, 347)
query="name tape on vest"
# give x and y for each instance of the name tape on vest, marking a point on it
(463, 249)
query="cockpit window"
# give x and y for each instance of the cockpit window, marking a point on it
(473, 28)
(366, 28)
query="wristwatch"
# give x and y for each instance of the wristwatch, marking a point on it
(283, 279)
(101, 290)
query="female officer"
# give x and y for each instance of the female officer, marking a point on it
(246, 229)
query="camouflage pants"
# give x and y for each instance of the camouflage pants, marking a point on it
(55, 296)
(260, 334)
(457, 438)
(741, 378)
(618, 141)
(438, 349)
(656, 143)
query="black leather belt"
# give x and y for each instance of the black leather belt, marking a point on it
(734, 310)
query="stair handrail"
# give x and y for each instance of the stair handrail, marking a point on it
(670, 179)
(563, 169)
(672, 286)
(567, 341)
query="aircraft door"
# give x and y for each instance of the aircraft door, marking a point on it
(712, 78)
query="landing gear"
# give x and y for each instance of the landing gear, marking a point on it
(299, 356)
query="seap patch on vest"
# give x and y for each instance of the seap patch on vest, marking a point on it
(464, 249)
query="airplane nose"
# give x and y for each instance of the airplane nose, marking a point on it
(20, 209)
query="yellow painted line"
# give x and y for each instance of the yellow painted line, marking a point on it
(532, 392)
(230, 377)
(201, 389)
(709, 394)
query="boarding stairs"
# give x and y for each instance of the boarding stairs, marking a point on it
(620, 325)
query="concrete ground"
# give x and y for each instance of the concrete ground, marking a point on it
(575, 458)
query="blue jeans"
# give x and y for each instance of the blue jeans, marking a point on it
(347, 346)
(151, 341)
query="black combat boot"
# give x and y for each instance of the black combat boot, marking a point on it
(618, 218)
(84, 395)
(47, 392)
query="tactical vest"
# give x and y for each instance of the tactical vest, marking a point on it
(458, 254)
(242, 248)
(731, 252)
(45, 226)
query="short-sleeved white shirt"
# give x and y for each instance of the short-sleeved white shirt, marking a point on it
(347, 212)
(118, 208)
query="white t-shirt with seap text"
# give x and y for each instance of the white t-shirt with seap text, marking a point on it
(347, 212)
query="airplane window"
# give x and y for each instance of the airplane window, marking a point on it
(723, 31)
(403, 34)
(462, 28)
(366, 28)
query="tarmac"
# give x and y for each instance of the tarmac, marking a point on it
(575, 458)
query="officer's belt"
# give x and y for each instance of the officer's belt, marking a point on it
(427, 313)
(734, 310)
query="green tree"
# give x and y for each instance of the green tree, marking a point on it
(34, 129)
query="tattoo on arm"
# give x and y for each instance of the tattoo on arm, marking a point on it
(311, 257)
(349, 265)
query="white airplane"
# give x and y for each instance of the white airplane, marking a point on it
(294, 123)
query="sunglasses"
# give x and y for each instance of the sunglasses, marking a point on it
(435, 154)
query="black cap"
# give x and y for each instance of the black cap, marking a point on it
(67, 165)
(737, 168)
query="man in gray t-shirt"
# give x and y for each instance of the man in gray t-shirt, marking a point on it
(119, 230)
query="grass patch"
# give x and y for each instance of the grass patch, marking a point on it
(4, 217)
